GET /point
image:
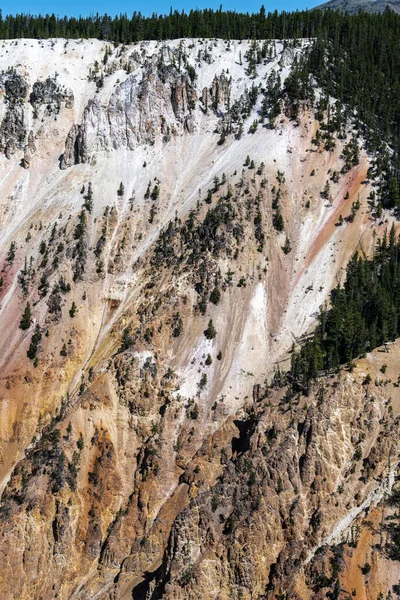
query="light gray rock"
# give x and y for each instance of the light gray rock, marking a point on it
(137, 112)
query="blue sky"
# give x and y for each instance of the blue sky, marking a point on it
(76, 7)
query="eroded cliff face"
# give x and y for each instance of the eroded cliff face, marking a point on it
(293, 479)
(136, 114)
(171, 247)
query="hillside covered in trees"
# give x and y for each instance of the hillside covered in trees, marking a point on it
(364, 314)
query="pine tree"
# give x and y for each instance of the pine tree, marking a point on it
(34, 345)
(127, 340)
(72, 310)
(11, 253)
(25, 322)
(277, 220)
(287, 246)
(210, 332)
(215, 295)
(88, 204)
(121, 189)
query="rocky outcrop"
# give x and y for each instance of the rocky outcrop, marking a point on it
(288, 480)
(218, 94)
(183, 101)
(219, 90)
(73, 152)
(62, 531)
(12, 128)
(29, 151)
(137, 112)
(204, 98)
(246, 512)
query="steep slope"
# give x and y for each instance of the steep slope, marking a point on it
(167, 247)
(292, 481)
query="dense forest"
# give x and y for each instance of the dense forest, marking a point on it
(363, 314)
(352, 30)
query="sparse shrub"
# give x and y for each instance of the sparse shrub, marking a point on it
(366, 568)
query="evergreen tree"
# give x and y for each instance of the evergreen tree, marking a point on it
(25, 322)
(88, 204)
(210, 332)
(72, 310)
(34, 345)
(215, 295)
